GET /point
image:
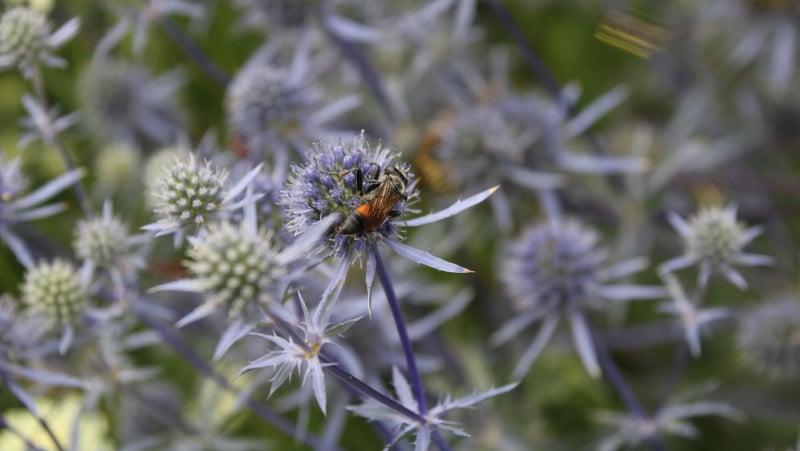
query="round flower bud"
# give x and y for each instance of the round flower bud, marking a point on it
(264, 105)
(54, 290)
(190, 193)
(117, 166)
(102, 240)
(233, 265)
(122, 101)
(553, 267)
(715, 236)
(770, 338)
(23, 36)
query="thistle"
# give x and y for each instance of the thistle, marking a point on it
(556, 270)
(714, 240)
(26, 39)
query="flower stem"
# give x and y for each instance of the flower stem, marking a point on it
(204, 62)
(411, 362)
(41, 97)
(617, 380)
(349, 380)
(262, 411)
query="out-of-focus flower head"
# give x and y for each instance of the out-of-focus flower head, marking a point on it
(143, 15)
(759, 36)
(17, 207)
(117, 168)
(769, 337)
(103, 240)
(274, 107)
(557, 270)
(59, 294)
(672, 419)
(692, 318)
(714, 240)
(26, 39)
(20, 330)
(123, 102)
(403, 426)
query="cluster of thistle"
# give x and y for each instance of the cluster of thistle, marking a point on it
(192, 252)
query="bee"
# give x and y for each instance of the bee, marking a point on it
(380, 196)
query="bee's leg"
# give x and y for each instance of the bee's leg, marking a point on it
(374, 182)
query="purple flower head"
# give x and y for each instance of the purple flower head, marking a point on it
(328, 184)
(556, 270)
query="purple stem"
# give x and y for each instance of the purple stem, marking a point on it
(411, 361)
(614, 377)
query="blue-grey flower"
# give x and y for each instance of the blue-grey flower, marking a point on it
(17, 207)
(140, 17)
(26, 39)
(769, 337)
(556, 270)
(122, 101)
(345, 181)
(272, 108)
(190, 194)
(41, 123)
(56, 290)
(714, 240)
(59, 293)
(402, 426)
(693, 319)
(673, 419)
(234, 265)
(102, 240)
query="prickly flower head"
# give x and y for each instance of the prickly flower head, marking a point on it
(233, 265)
(265, 104)
(327, 183)
(190, 193)
(55, 290)
(770, 337)
(25, 39)
(552, 267)
(102, 240)
(715, 236)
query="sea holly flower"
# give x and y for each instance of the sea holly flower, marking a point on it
(367, 187)
(58, 292)
(102, 240)
(692, 318)
(16, 207)
(556, 270)
(403, 426)
(769, 337)
(272, 108)
(42, 123)
(26, 39)
(125, 103)
(190, 194)
(304, 356)
(632, 430)
(238, 264)
(144, 15)
(714, 240)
